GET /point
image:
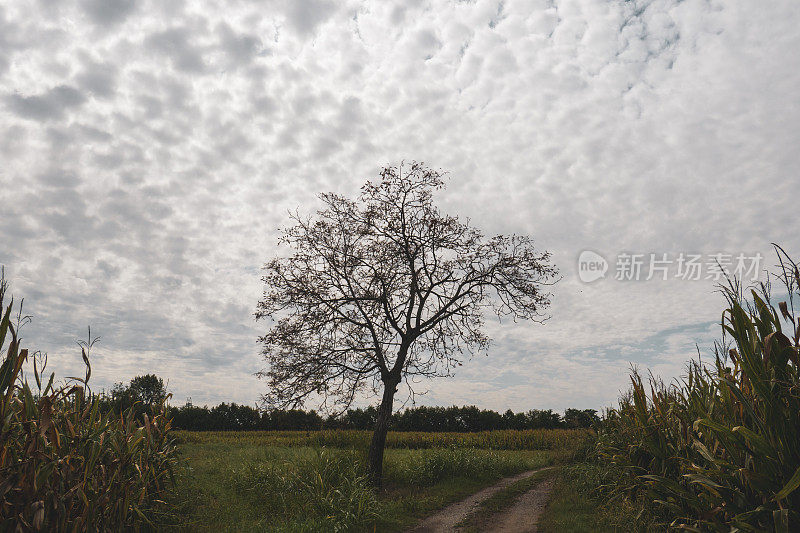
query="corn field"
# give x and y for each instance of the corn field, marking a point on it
(64, 464)
(528, 439)
(719, 450)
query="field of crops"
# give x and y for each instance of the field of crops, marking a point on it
(718, 450)
(316, 481)
(533, 439)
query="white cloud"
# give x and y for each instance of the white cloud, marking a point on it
(150, 151)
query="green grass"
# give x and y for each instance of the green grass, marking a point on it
(406, 506)
(569, 510)
(242, 484)
(478, 519)
(420, 482)
(576, 506)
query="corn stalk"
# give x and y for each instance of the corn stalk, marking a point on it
(719, 450)
(66, 465)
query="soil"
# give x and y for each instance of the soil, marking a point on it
(520, 517)
(523, 516)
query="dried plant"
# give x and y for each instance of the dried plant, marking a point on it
(66, 464)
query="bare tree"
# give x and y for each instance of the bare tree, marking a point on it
(386, 288)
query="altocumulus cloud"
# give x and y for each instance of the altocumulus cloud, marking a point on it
(50, 105)
(150, 150)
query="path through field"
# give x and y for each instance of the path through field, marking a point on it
(523, 516)
(519, 518)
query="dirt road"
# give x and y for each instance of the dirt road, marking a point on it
(523, 516)
(519, 518)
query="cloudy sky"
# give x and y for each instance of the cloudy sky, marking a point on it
(150, 150)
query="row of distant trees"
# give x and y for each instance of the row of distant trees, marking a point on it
(145, 392)
(230, 416)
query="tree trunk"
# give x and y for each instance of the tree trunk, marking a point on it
(375, 457)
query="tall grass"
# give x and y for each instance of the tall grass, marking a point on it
(329, 490)
(719, 450)
(247, 486)
(429, 466)
(64, 464)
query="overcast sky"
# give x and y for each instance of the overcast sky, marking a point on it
(150, 150)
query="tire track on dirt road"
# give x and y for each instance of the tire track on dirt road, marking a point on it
(527, 508)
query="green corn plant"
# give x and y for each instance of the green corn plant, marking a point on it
(66, 465)
(719, 450)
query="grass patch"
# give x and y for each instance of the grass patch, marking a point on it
(226, 488)
(422, 468)
(405, 506)
(246, 486)
(411, 498)
(501, 500)
(575, 505)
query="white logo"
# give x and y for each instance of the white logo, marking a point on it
(591, 266)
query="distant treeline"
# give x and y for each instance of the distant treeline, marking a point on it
(231, 416)
(144, 392)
